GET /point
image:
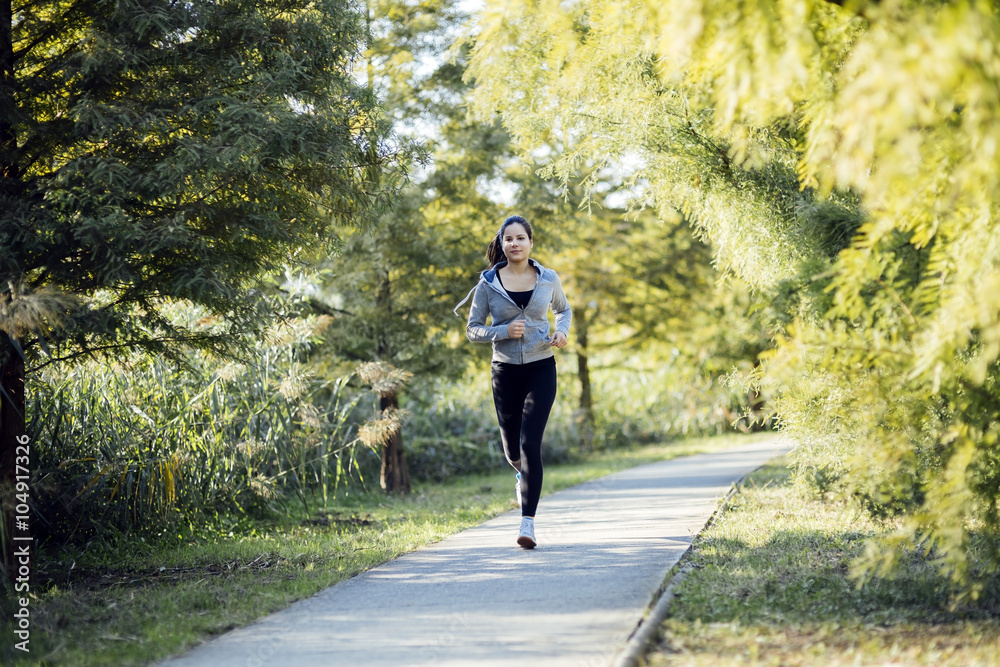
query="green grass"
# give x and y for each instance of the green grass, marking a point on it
(770, 586)
(133, 602)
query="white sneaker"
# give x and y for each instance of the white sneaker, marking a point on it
(526, 536)
(517, 489)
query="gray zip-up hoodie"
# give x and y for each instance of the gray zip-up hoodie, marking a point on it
(492, 299)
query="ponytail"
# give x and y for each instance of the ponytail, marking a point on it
(494, 253)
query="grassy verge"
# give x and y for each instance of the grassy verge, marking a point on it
(770, 586)
(135, 602)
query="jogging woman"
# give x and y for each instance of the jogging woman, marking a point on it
(516, 293)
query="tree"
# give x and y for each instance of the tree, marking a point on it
(152, 153)
(840, 156)
(393, 287)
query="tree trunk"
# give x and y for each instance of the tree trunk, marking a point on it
(8, 103)
(756, 402)
(11, 363)
(585, 412)
(395, 476)
(9, 167)
(12, 435)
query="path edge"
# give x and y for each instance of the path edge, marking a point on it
(636, 647)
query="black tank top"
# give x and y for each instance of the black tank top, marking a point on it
(519, 298)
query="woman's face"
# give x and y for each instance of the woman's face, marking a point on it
(516, 244)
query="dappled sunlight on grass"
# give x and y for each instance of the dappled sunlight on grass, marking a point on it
(959, 644)
(771, 586)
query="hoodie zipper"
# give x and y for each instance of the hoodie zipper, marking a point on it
(503, 292)
(521, 347)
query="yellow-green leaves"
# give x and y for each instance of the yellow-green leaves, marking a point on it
(842, 158)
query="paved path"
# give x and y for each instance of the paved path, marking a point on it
(476, 598)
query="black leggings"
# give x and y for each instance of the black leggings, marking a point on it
(523, 395)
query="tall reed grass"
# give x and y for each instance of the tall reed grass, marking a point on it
(142, 441)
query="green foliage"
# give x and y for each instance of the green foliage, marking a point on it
(216, 144)
(392, 287)
(392, 291)
(629, 278)
(589, 76)
(155, 152)
(155, 155)
(453, 429)
(842, 159)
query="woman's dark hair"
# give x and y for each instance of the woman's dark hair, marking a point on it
(494, 253)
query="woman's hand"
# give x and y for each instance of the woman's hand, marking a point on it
(559, 339)
(515, 329)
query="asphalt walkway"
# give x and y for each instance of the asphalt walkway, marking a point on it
(476, 598)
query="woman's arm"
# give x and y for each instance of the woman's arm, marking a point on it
(560, 306)
(476, 329)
